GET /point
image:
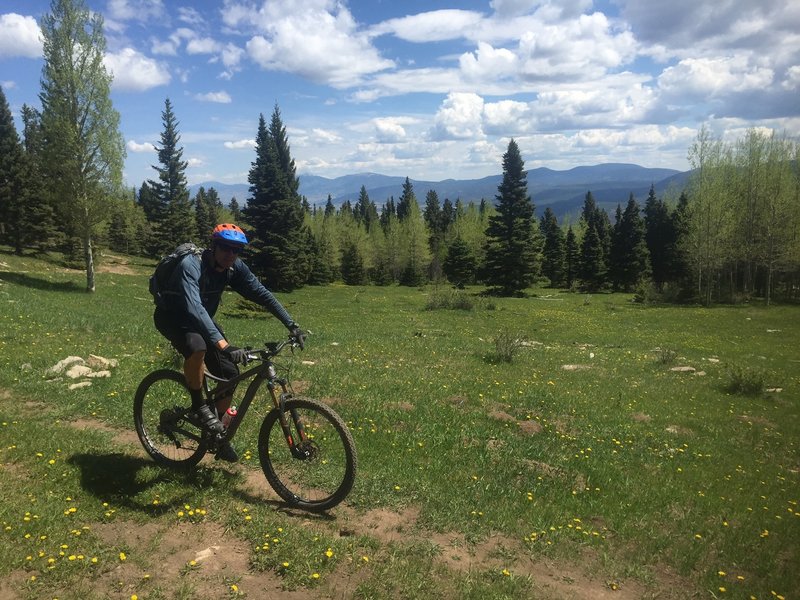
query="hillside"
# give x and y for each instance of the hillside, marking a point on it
(563, 191)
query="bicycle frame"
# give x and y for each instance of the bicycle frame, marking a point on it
(265, 372)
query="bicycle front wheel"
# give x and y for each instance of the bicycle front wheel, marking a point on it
(159, 413)
(315, 468)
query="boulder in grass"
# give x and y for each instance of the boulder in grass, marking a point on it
(64, 364)
(685, 369)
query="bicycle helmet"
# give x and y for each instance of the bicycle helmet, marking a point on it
(229, 233)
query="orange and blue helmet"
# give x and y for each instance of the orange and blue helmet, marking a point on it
(229, 233)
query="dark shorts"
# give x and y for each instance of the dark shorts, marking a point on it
(185, 338)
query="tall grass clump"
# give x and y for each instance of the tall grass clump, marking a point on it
(745, 381)
(452, 300)
(506, 345)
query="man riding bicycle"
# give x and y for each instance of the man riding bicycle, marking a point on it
(191, 297)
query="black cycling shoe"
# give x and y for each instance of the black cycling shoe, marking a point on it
(208, 420)
(227, 453)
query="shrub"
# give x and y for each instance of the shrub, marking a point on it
(452, 300)
(506, 345)
(666, 356)
(747, 381)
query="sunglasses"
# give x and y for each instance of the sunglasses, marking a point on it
(227, 248)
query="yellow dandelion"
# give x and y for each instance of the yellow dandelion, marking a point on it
(315, 576)
(329, 553)
(122, 556)
(506, 572)
(235, 588)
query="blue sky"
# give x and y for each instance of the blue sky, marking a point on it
(432, 90)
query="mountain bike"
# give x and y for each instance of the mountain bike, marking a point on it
(306, 451)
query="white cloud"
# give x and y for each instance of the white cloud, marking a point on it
(134, 71)
(389, 130)
(460, 117)
(190, 15)
(792, 81)
(140, 10)
(240, 145)
(703, 77)
(326, 136)
(317, 40)
(8, 85)
(203, 46)
(432, 26)
(165, 47)
(19, 36)
(220, 97)
(193, 163)
(488, 63)
(134, 146)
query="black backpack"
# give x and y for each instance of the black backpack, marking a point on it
(165, 268)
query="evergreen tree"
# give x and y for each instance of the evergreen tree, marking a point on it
(12, 204)
(633, 264)
(659, 236)
(236, 212)
(274, 209)
(448, 214)
(39, 219)
(592, 269)
(387, 212)
(594, 218)
(415, 251)
(553, 256)
(512, 252)
(459, 264)
(330, 209)
(83, 147)
(202, 218)
(572, 258)
(175, 220)
(616, 258)
(436, 233)
(407, 198)
(353, 272)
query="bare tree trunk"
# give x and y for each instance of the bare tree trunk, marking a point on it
(87, 250)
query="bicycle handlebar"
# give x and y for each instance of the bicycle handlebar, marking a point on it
(272, 349)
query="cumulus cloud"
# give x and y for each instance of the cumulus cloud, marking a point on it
(318, 40)
(220, 97)
(189, 15)
(240, 145)
(792, 81)
(326, 136)
(134, 71)
(389, 130)
(203, 46)
(19, 36)
(195, 162)
(700, 78)
(134, 146)
(460, 117)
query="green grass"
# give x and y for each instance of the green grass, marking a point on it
(616, 465)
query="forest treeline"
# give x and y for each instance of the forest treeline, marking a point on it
(732, 234)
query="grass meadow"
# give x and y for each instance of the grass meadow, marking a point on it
(584, 467)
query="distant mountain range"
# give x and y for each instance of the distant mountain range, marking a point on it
(562, 191)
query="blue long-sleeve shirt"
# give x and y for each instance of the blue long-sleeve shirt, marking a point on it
(195, 289)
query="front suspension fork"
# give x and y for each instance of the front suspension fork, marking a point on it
(279, 400)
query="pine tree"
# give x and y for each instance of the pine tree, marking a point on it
(38, 220)
(631, 256)
(175, 220)
(512, 252)
(659, 236)
(436, 232)
(592, 269)
(407, 198)
(553, 256)
(572, 258)
(236, 212)
(82, 143)
(280, 250)
(202, 218)
(459, 264)
(11, 179)
(416, 254)
(353, 272)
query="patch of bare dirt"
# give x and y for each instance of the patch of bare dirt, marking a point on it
(403, 406)
(457, 400)
(530, 427)
(757, 421)
(116, 268)
(501, 415)
(642, 418)
(381, 523)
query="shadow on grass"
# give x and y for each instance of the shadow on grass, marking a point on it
(123, 480)
(38, 283)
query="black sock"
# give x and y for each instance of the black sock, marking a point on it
(197, 399)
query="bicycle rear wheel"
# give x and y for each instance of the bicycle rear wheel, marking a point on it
(159, 410)
(318, 473)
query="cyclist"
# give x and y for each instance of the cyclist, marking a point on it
(192, 296)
